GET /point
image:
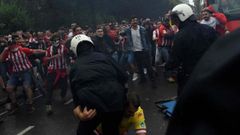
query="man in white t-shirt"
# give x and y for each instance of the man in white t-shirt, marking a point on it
(138, 44)
(208, 19)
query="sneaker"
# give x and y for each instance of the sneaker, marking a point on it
(8, 106)
(163, 64)
(135, 77)
(13, 108)
(145, 71)
(171, 80)
(49, 109)
(30, 108)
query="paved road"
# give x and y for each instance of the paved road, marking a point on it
(62, 121)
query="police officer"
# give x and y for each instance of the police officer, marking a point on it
(190, 43)
(210, 102)
(97, 85)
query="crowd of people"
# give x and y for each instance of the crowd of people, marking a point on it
(98, 64)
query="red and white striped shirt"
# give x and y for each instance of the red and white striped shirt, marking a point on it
(57, 63)
(165, 36)
(19, 59)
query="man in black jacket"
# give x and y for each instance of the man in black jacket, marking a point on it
(103, 43)
(209, 104)
(190, 43)
(97, 84)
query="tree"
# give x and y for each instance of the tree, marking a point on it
(198, 6)
(174, 2)
(13, 18)
(51, 14)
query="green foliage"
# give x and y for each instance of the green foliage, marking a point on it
(13, 18)
(174, 2)
(198, 6)
(51, 14)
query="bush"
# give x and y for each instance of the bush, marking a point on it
(13, 18)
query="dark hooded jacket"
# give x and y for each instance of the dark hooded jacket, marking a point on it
(209, 104)
(190, 44)
(104, 45)
(98, 82)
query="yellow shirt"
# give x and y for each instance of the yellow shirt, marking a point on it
(137, 122)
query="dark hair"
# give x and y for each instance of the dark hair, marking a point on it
(15, 37)
(55, 36)
(134, 17)
(75, 28)
(206, 10)
(122, 33)
(134, 99)
(99, 27)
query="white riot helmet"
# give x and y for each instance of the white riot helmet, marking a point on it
(183, 11)
(79, 39)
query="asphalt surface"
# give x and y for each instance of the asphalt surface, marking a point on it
(62, 122)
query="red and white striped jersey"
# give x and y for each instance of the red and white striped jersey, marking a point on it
(19, 59)
(165, 36)
(57, 63)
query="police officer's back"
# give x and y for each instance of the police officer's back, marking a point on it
(97, 82)
(190, 43)
(210, 102)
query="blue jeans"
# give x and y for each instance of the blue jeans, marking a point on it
(164, 56)
(164, 53)
(127, 58)
(18, 77)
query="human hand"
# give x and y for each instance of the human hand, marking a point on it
(6, 49)
(55, 56)
(85, 114)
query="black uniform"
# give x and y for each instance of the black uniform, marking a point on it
(104, 45)
(98, 82)
(190, 43)
(209, 104)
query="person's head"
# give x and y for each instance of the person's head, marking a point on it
(80, 44)
(181, 13)
(77, 30)
(166, 22)
(73, 25)
(14, 43)
(48, 33)
(19, 33)
(40, 35)
(158, 24)
(211, 9)
(99, 32)
(147, 23)
(55, 39)
(133, 102)
(123, 22)
(134, 22)
(206, 14)
(111, 26)
(3, 41)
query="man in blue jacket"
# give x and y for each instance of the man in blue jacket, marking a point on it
(137, 42)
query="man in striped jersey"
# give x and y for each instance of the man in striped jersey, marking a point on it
(56, 74)
(21, 70)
